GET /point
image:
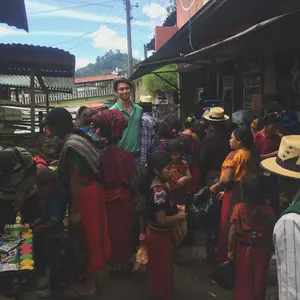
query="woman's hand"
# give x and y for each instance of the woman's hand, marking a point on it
(181, 216)
(183, 180)
(214, 188)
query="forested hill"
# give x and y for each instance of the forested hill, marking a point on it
(106, 64)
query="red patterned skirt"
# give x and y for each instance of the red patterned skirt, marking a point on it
(160, 264)
(120, 214)
(94, 226)
(251, 272)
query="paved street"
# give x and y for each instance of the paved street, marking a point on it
(191, 281)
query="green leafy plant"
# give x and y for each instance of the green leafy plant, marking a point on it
(153, 83)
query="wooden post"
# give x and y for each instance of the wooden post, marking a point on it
(32, 106)
(47, 101)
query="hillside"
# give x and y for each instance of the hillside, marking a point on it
(106, 64)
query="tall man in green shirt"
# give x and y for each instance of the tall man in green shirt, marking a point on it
(132, 112)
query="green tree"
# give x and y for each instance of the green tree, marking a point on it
(106, 64)
(153, 83)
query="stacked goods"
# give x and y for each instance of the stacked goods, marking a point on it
(26, 258)
(16, 248)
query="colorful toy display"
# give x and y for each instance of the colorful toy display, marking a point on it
(16, 248)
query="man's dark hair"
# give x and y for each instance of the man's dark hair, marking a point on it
(147, 107)
(122, 80)
(61, 119)
(87, 116)
(81, 110)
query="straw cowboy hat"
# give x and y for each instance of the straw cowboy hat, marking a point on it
(287, 162)
(216, 114)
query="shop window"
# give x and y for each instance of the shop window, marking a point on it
(252, 91)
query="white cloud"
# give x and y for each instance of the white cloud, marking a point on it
(35, 9)
(10, 31)
(82, 62)
(107, 39)
(156, 12)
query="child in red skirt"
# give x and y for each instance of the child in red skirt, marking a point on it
(250, 241)
(162, 213)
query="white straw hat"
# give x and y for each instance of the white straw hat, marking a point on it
(287, 162)
(216, 114)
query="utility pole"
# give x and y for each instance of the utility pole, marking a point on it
(129, 43)
(145, 51)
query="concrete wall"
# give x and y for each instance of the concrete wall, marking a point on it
(269, 77)
(163, 34)
(183, 15)
(80, 102)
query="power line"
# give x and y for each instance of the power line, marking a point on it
(59, 9)
(87, 33)
(86, 2)
(79, 44)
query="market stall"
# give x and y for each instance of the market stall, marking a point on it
(17, 259)
(35, 68)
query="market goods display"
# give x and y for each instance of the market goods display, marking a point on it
(16, 248)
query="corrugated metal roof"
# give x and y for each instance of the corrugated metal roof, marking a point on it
(55, 66)
(95, 78)
(58, 84)
(13, 13)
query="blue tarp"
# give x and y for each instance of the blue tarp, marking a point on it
(13, 13)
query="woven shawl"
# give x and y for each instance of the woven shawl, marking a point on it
(84, 148)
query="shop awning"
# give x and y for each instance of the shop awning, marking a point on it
(270, 37)
(210, 23)
(13, 13)
(53, 68)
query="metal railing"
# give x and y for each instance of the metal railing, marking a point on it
(56, 97)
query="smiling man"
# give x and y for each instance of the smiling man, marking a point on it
(132, 112)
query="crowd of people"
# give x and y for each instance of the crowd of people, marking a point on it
(124, 176)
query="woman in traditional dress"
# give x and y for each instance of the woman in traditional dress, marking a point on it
(250, 240)
(78, 173)
(233, 170)
(193, 134)
(162, 214)
(267, 142)
(118, 171)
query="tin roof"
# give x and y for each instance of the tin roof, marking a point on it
(54, 67)
(58, 84)
(13, 13)
(97, 78)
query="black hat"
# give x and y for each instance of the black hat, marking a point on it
(158, 160)
(175, 145)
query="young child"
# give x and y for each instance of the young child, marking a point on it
(47, 233)
(180, 175)
(250, 240)
(162, 214)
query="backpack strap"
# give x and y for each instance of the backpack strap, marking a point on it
(19, 156)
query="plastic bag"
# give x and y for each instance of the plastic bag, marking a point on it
(224, 275)
(202, 202)
(242, 117)
(141, 260)
(179, 232)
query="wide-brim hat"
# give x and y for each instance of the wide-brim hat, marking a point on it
(216, 114)
(287, 162)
